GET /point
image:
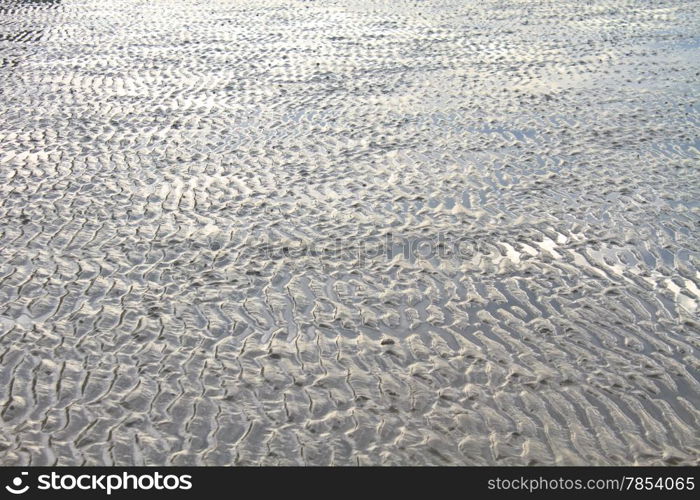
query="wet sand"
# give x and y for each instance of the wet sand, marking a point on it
(349, 232)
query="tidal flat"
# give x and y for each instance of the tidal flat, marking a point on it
(349, 232)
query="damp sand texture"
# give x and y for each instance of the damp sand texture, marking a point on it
(196, 199)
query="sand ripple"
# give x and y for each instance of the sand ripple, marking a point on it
(205, 209)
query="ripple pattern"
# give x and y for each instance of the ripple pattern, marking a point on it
(353, 232)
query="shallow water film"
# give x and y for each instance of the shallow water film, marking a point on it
(349, 232)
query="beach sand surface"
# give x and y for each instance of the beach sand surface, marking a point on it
(349, 232)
